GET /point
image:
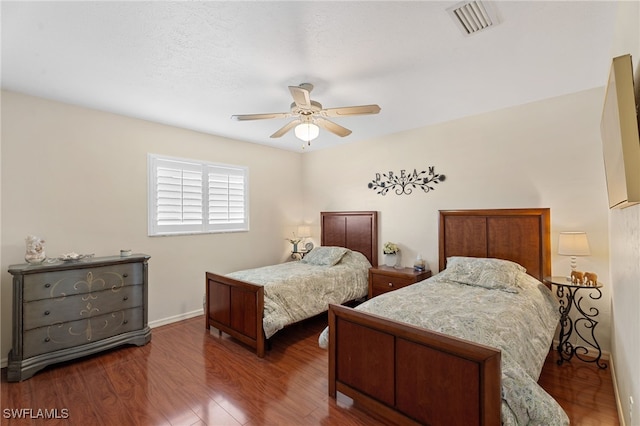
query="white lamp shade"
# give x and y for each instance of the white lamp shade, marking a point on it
(307, 131)
(573, 244)
(304, 231)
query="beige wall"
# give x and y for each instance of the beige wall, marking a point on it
(78, 178)
(544, 154)
(625, 253)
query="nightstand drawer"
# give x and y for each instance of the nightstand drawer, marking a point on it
(385, 283)
(383, 279)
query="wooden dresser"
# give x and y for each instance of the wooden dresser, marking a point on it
(385, 278)
(67, 310)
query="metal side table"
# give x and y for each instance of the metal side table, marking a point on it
(582, 326)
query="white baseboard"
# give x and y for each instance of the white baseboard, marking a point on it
(176, 318)
(615, 392)
(152, 324)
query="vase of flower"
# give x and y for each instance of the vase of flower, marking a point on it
(391, 251)
(294, 242)
(390, 259)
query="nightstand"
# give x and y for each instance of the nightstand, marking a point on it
(383, 279)
(582, 325)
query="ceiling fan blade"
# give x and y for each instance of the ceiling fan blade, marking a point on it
(284, 129)
(261, 116)
(332, 127)
(301, 96)
(351, 110)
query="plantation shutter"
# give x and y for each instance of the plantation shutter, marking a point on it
(192, 197)
(227, 199)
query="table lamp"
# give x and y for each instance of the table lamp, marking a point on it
(304, 231)
(573, 244)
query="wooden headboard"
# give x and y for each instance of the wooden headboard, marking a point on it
(356, 231)
(520, 235)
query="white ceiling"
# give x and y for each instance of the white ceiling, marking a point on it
(194, 64)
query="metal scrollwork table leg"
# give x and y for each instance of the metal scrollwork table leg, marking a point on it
(583, 326)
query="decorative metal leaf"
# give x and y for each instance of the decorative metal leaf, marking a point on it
(402, 183)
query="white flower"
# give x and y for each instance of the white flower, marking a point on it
(390, 248)
(295, 240)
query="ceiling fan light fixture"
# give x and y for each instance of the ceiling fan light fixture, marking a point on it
(307, 131)
(308, 114)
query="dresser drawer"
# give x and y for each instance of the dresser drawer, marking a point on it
(70, 334)
(80, 306)
(78, 281)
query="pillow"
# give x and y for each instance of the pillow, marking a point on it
(324, 255)
(492, 262)
(493, 274)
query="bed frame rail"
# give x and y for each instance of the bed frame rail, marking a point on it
(411, 375)
(236, 308)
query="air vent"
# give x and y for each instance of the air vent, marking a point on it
(473, 16)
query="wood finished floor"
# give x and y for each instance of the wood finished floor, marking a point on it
(187, 376)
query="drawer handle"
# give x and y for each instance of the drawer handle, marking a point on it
(47, 312)
(125, 298)
(47, 285)
(125, 321)
(390, 284)
(125, 275)
(47, 339)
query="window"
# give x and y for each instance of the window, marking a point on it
(194, 197)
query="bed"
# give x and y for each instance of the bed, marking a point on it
(236, 304)
(386, 356)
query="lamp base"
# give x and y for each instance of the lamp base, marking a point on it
(574, 263)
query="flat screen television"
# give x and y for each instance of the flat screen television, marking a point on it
(620, 130)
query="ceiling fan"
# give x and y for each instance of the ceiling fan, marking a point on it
(309, 115)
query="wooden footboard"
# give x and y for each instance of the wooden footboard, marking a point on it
(236, 308)
(411, 375)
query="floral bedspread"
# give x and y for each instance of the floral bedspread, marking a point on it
(521, 324)
(294, 291)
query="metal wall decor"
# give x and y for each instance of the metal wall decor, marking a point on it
(405, 183)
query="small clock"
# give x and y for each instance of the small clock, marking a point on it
(308, 246)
